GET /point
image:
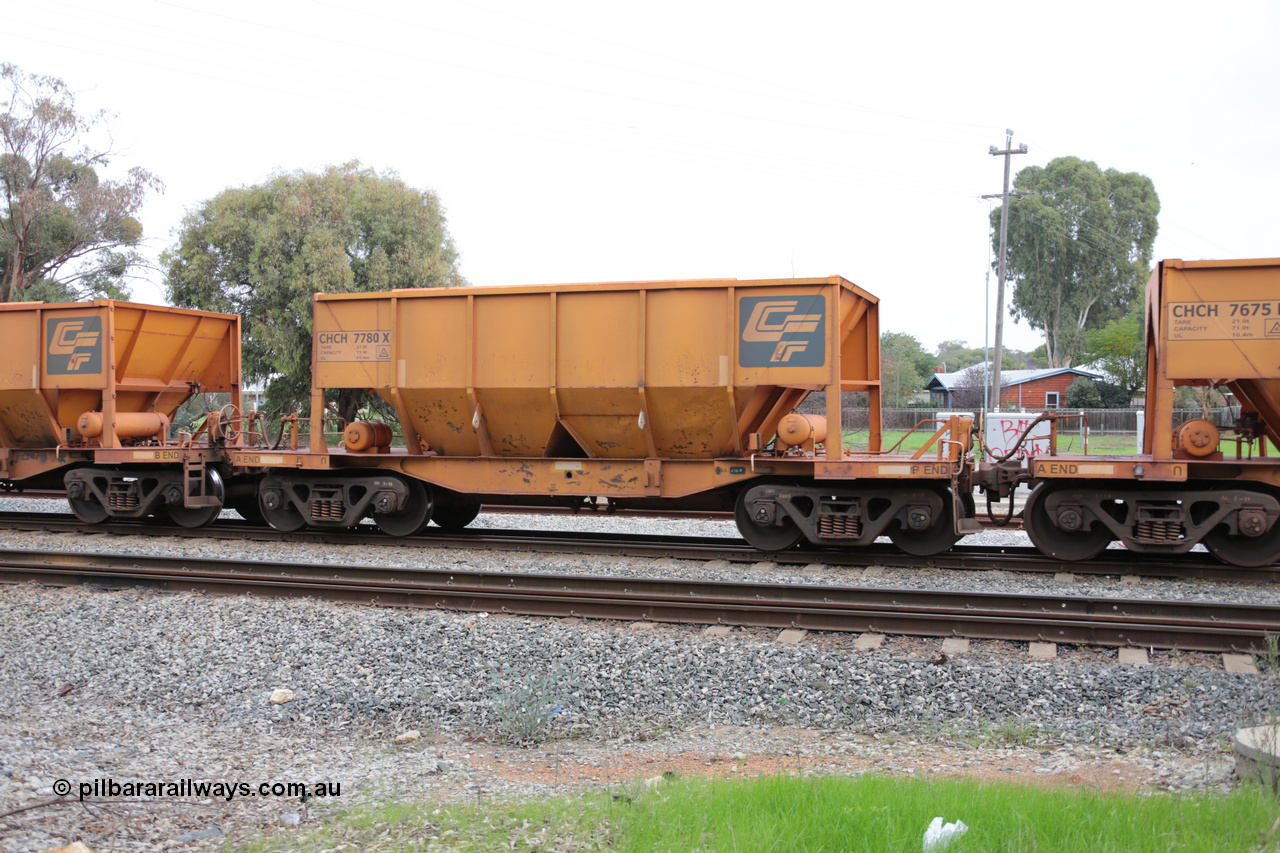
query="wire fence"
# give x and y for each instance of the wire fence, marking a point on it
(1101, 421)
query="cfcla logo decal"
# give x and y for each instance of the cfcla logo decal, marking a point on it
(75, 346)
(778, 331)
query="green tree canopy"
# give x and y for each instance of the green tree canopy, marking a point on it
(1120, 348)
(262, 251)
(65, 233)
(1079, 249)
(1113, 396)
(1082, 393)
(905, 367)
(1016, 359)
(956, 355)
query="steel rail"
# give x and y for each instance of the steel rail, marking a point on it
(1081, 620)
(1014, 523)
(964, 557)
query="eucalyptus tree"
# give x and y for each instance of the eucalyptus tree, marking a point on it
(1079, 249)
(263, 251)
(66, 232)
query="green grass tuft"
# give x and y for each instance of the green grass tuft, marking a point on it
(874, 813)
(782, 814)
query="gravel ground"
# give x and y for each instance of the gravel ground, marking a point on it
(137, 685)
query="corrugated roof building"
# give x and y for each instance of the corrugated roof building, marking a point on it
(1022, 389)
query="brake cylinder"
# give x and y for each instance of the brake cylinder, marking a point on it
(128, 424)
(796, 429)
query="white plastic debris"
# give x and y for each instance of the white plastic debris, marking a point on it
(939, 835)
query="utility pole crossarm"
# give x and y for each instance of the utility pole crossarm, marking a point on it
(998, 355)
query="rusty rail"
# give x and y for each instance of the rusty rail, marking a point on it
(960, 557)
(1190, 625)
(604, 511)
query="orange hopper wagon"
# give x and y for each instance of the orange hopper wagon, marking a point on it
(87, 394)
(1209, 324)
(678, 394)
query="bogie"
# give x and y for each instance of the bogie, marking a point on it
(97, 494)
(399, 505)
(1077, 520)
(777, 516)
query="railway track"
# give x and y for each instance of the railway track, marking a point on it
(997, 521)
(963, 557)
(1202, 626)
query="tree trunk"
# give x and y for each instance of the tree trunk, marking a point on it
(349, 400)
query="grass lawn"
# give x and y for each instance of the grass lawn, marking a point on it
(1067, 443)
(874, 813)
(797, 815)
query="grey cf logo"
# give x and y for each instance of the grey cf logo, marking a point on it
(782, 331)
(75, 346)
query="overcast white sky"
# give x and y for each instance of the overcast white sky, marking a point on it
(597, 141)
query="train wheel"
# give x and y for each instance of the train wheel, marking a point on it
(192, 517)
(249, 508)
(279, 514)
(1246, 551)
(934, 539)
(413, 517)
(1053, 540)
(454, 517)
(88, 510)
(762, 537)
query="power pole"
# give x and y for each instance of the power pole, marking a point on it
(1004, 230)
(986, 336)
